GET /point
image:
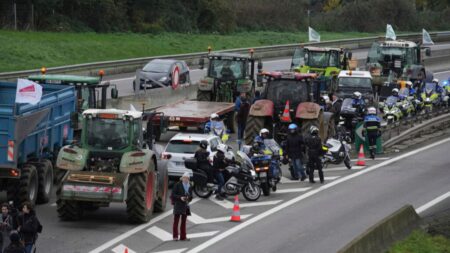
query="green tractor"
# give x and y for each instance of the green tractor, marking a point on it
(227, 76)
(91, 92)
(326, 62)
(114, 162)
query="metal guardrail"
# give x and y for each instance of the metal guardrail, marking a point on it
(409, 127)
(130, 65)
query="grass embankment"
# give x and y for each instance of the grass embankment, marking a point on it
(421, 242)
(31, 50)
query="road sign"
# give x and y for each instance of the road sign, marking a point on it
(175, 77)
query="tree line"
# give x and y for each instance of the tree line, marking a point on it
(223, 16)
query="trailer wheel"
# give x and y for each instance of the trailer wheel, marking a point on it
(67, 209)
(28, 185)
(203, 95)
(141, 196)
(163, 184)
(45, 181)
(252, 128)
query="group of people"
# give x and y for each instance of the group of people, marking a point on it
(19, 230)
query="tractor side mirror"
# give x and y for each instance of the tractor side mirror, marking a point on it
(260, 66)
(114, 93)
(201, 63)
(428, 52)
(74, 120)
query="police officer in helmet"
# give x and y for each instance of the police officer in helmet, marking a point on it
(372, 124)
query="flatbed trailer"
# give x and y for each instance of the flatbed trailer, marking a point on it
(189, 113)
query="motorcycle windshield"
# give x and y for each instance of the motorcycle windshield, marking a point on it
(347, 105)
(243, 159)
(404, 92)
(391, 100)
(430, 87)
(272, 146)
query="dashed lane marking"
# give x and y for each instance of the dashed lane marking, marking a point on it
(285, 180)
(229, 205)
(292, 190)
(165, 236)
(194, 218)
(172, 251)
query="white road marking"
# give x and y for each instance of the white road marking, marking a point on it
(54, 204)
(441, 72)
(292, 190)
(121, 249)
(122, 79)
(165, 236)
(432, 202)
(229, 205)
(286, 204)
(370, 159)
(172, 251)
(344, 168)
(285, 180)
(194, 218)
(133, 231)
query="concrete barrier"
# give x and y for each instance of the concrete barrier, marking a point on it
(153, 98)
(382, 235)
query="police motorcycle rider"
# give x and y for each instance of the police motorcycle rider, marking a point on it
(372, 124)
(358, 102)
(294, 146)
(203, 161)
(220, 162)
(217, 127)
(315, 153)
(259, 147)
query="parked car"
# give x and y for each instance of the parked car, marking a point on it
(183, 146)
(158, 73)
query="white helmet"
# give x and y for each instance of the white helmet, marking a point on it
(408, 83)
(222, 148)
(214, 116)
(313, 130)
(394, 90)
(371, 110)
(357, 94)
(435, 80)
(264, 131)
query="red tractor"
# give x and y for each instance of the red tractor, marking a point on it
(288, 97)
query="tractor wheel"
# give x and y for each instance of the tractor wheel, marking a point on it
(141, 196)
(45, 181)
(203, 95)
(163, 184)
(68, 209)
(252, 128)
(27, 187)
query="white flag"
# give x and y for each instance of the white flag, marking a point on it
(313, 35)
(390, 34)
(426, 38)
(28, 92)
(132, 108)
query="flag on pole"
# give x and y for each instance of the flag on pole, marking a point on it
(426, 38)
(28, 92)
(390, 34)
(313, 35)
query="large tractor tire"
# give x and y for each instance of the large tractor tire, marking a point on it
(45, 181)
(26, 189)
(203, 95)
(252, 128)
(141, 196)
(68, 210)
(163, 185)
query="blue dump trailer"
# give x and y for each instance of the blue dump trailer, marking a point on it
(30, 138)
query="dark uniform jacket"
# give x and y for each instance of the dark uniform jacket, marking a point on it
(202, 159)
(219, 162)
(314, 144)
(294, 146)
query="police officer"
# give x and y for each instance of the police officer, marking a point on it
(263, 134)
(202, 156)
(358, 102)
(294, 146)
(315, 151)
(372, 129)
(219, 165)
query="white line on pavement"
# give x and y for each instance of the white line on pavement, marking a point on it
(121, 249)
(286, 204)
(135, 230)
(194, 218)
(441, 72)
(165, 236)
(292, 190)
(172, 251)
(432, 203)
(370, 159)
(229, 205)
(285, 180)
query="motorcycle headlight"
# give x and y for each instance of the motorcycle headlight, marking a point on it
(341, 154)
(428, 99)
(163, 79)
(253, 173)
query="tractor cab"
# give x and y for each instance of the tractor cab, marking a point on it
(91, 92)
(324, 61)
(227, 75)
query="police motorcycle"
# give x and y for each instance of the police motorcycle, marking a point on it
(408, 103)
(239, 177)
(337, 150)
(349, 118)
(391, 109)
(217, 127)
(266, 160)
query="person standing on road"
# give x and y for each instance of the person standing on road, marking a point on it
(5, 226)
(219, 165)
(28, 226)
(294, 146)
(372, 124)
(336, 104)
(15, 246)
(181, 196)
(315, 151)
(241, 117)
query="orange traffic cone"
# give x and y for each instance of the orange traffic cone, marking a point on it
(286, 117)
(126, 250)
(236, 213)
(361, 158)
